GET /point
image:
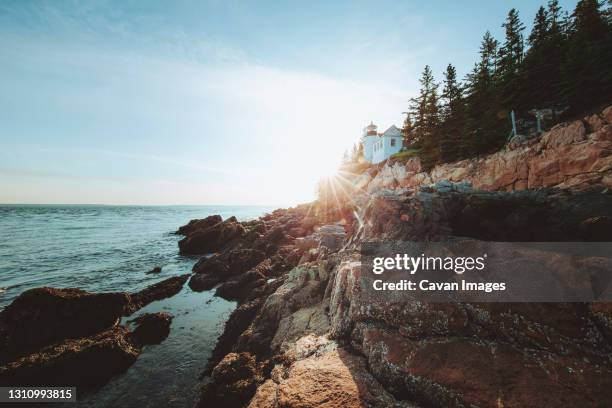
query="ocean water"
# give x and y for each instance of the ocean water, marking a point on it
(110, 248)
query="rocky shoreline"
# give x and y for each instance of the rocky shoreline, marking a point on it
(302, 334)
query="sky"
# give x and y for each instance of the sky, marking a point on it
(212, 102)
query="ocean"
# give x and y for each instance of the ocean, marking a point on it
(110, 248)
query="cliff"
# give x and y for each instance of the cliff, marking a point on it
(305, 336)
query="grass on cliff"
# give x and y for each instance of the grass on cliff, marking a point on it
(404, 155)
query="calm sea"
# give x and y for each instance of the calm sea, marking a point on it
(110, 248)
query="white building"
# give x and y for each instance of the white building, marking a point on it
(378, 147)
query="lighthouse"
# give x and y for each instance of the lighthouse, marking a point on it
(378, 147)
(369, 137)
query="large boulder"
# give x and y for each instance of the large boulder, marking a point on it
(220, 267)
(152, 328)
(329, 378)
(44, 316)
(199, 224)
(233, 382)
(84, 362)
(212, 238)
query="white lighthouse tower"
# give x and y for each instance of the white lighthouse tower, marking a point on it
(369, 137)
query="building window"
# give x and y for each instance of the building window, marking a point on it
(392, 142)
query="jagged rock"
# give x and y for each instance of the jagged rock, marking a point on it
(331, 236)
(43, 316)
(241, 287)
(307, 243)
(202, 282)
(199, 224)
(219, 267)
(161, 290)
(152, 328)
(334, 379)
(499, 216)
(211, 238)
(309, 321)
(84, 362)
(240, 319)
(455, 372)
(233, 382)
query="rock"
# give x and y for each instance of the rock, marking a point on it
(307, 243)
(241, 287)
(199, 224)
(594, 122)
(303, 287)
(44, 316)
(157, 269)
(606, 114)
(309, 321)
(152, 328)
(219, 267)
(540, 215)
(233, 382)
(331, 236)
(212, 238)
(84, 362)
(202, 282)
(161, 290)
(458, 372)
(335, 378)
(240, 319)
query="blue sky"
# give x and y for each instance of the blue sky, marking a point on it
(193, 102)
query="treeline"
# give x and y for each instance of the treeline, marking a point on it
(565, 64)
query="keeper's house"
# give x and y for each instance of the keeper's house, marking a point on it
(378, 147)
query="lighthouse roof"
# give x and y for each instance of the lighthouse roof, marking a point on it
(392, 131)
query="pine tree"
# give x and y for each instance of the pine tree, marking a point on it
(539, 33)
(511, 57)
(587, 70)
(484, 128)
(540, 77)
(425, 113)
(407, 131)
(452, 113)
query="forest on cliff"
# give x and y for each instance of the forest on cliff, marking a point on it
(564, 66)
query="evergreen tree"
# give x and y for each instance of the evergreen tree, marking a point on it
(407, 131)
(540, 30)
(424, 110)
(452, 113)
(587, 71)
(540, 77)
(511, 57)
(485, 122)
